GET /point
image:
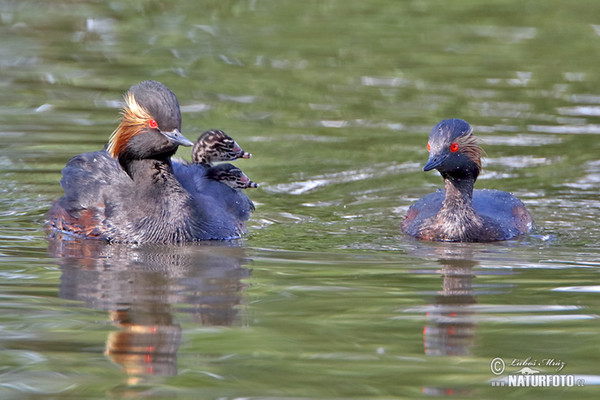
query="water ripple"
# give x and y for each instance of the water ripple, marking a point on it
(578, 289)
(575, 129)
(319, 181)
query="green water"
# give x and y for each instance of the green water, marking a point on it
(325, 298)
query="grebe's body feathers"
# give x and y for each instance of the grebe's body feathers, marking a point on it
(503, 216)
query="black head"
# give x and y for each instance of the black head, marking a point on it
(160, 102)
(216, 145)
(230, 175)
(151, 123)
(453, 150)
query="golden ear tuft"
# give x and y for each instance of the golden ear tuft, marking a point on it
(134, 119)
(469, 145)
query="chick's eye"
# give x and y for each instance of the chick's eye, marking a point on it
(454, 147)
(153, 124)
(428, 147)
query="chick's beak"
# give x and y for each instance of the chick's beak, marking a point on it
(247, 182)
(177, 138)
(240, 153)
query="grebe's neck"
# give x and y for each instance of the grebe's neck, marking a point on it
(459, 193)
(204, 162)
(457, 220)
(154, 175)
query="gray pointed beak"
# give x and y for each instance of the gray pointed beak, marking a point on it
(434, 161)
(177, 138)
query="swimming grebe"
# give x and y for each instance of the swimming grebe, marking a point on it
(230, 175)
(459, 213)
(128, 192)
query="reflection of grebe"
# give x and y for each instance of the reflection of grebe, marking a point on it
(130, 193)
(451, 329)
(144, 345)
(461, 214)
(143, 288)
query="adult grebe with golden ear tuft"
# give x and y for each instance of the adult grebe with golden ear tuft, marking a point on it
(128, 192)
(459, 213)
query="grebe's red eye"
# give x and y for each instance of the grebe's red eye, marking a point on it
(454, 147)
(428, 147)
(153, 124)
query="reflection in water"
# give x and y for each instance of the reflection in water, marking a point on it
(450, 330)
(143, 286)
(146, 343)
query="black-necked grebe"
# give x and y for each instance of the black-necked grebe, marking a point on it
(230, 175)
(212, 146)
(459, 213)
(201, 176)
(129, 193)
(216, 145)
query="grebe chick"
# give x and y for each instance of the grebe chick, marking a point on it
(128, 192)
(216, 145)
(459, 213)
(230, 175)
(212, 146)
